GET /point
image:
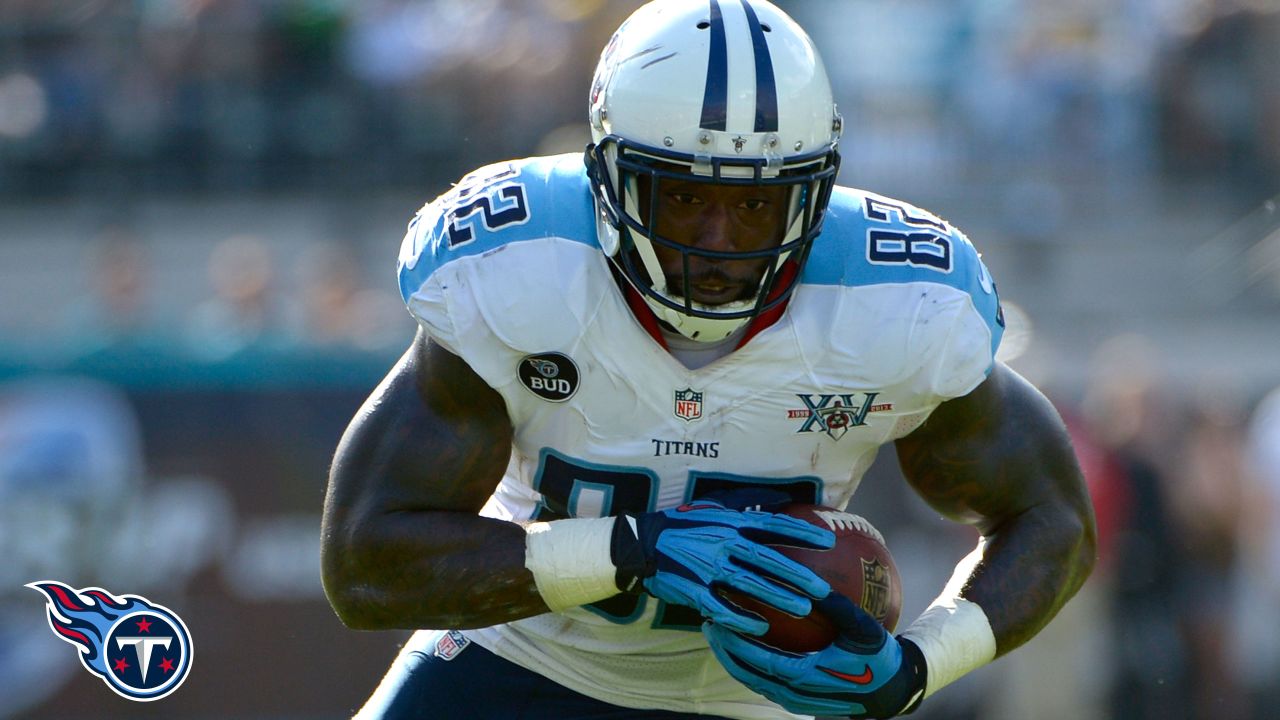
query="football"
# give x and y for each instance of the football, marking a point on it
(859, 566)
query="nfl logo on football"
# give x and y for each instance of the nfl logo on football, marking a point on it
(875, 588)
(688, 404)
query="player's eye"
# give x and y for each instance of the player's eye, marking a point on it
(753, 204)
(685, 198)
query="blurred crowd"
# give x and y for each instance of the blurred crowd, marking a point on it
(316, 297)
(248, 95)
(1178, 621)
(310, 130)
(115, 95)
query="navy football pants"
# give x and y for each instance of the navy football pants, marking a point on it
(476, 684)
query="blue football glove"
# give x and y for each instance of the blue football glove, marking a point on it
(684, 555)
(864, 673)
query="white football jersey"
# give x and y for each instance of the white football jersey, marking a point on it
(895, 314)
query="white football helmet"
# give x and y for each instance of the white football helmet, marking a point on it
(723, 91)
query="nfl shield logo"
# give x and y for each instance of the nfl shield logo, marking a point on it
(688, 404)
(450, 644)
(875, 589)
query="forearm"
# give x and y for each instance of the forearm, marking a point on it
(430, 569)
(402, 544)
(1027, 570)
(1001, 595)
(1000, 459)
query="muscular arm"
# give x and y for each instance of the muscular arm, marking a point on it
(401, 544)
(1000, 459)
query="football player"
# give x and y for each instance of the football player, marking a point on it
(626, 359)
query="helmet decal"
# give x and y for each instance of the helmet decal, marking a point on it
(766, 88)
(715, 100)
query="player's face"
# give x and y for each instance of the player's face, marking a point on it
(707, 216)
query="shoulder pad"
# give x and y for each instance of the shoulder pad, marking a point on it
(495, 205)
(869, 239)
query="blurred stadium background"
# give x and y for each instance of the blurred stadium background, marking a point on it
(201, 203)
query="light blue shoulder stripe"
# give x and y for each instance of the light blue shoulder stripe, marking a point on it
(496, 205)
(868, 239)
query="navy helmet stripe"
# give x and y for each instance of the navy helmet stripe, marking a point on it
(715, 99)
(766, 86)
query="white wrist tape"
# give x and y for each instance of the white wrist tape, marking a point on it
(570, 560)
(953, 634)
